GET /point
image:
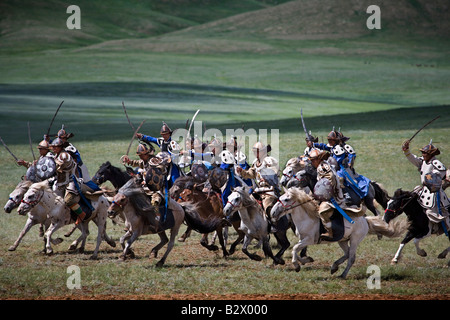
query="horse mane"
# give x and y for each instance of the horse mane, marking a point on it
(302, 197)
(24, 185)
(247, 200)
(138, 198)
(43, 185)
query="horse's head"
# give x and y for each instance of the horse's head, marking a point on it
(117, 205)
(397, 204)
(102, 173)
(284, 203)
(234, 203)
(31, 198)
(17, 195)
(288, 174)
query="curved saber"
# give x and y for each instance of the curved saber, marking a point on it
(53, 119)
(188, 133)
(134, 134)
(6, 147)
(29, 140)
(426, 124)
(126, 114)
(303, 123)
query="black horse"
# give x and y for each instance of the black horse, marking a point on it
(107, 172)
(420, 226)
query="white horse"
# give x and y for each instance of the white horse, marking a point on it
(40, 200)
(304, 213)
(253, 222)
(134, 204)
(293, 166)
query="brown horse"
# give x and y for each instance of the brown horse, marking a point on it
(209, 215)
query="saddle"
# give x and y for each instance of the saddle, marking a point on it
(337, 225)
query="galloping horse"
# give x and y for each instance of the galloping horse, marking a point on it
(304, 213)
(254, 224)
(210, 212)
(40, 197)
(420, 226)
(141, 218)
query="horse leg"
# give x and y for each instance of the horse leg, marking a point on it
(30, 222)
(253, 256)
(48, 235)
(204, 243)
(219, 233)
(173, 234)
(82, 238)
(302, 243)
(368, 200)
(127, 250)
(419, 250)
(69, 233)
(268, 251)
(101, 230)
(163, 237)
(409, 236)
(241, 236)
(185, 235)
(284, 244)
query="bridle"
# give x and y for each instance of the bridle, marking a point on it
(34, 202)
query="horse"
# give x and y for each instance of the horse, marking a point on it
(210, 212)
(255, 224)
(304, 178)
(141, 219)
(40, 198)
(108, 172)
(292, 166)
(420, 226)
(304, 213)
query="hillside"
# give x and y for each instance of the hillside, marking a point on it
(290, 27)
(41, 25)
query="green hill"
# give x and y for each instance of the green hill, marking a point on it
(41, 25)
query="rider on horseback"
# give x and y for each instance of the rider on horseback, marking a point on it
(66, 171)
(326, 171)
(265, 171)
(345, 156)
(82, 170)
(44, 151)
(431, 196)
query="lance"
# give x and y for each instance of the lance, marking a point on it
(53, 119)
(134, 134)
(29, 140)
(426, 124)
(6, 147)
(126, 114)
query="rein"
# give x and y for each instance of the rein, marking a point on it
(292, 206)
(35, 202)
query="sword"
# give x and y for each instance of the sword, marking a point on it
(29, 140)
(426, 124)
(54, 116)
(188, 133)
(6, 147)
(126, 114)
(134, 134)
(303, 123)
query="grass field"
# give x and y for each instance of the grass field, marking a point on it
(379, 88)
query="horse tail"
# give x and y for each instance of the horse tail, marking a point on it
(393, 229)
(194, 220)
(381, 194)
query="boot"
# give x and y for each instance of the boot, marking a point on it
(328, 235)
(80, 217)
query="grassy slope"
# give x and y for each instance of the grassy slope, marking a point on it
(370, 85)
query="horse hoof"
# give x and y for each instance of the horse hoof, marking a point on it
(112, 243)
(278, 261)
(334, 269)
(58, 241)
(93, 257)
(256, 257)
(422, 253)
(49, 252)
(72, 248)
(309, 260)
(12, 248)
(442, 255)
(181, 239)
(159, 264)
(297, 268)
(394, 262)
